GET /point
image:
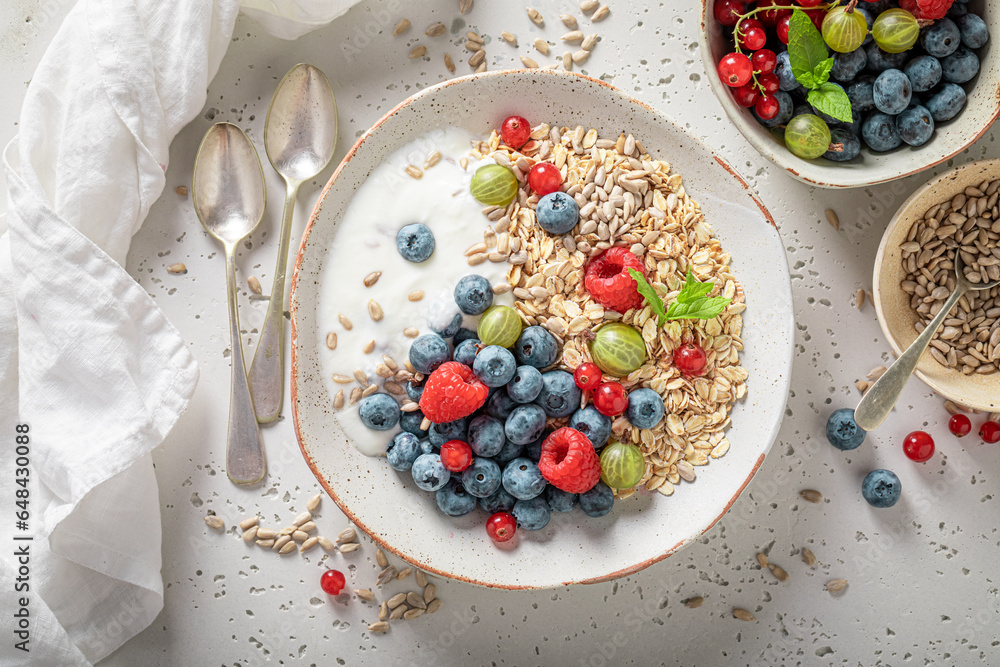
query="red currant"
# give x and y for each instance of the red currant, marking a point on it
(746, 95)
(332, 582)
(767, 107)
(769, 82)
(610, 399)
(515, 131)
(544, 178)
(990, 432)
(817, 16)
(587, 376)
(918, 446)
(772, 16)
(782, 29)
(690, 359)
(456, 455)
(811, 3)
(735, 70)
(764, 61)
(960, 425)
(727, 12)
(501, 526)
(752, 35)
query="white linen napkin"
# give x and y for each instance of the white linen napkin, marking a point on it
(87, 360)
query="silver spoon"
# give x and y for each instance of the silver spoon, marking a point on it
(300, 136)
(229, 196)
(876, 405)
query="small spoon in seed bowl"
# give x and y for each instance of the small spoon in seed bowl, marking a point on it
(876, 405)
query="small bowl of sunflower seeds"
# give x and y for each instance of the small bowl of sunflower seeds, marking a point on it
(956, 212)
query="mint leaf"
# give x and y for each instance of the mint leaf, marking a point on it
(808, 79)
(822, 73)
(698, 309)
(806, 48)
(649, 294)
(833, 101)
(693, 289)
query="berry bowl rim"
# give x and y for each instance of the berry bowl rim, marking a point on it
(981, 110)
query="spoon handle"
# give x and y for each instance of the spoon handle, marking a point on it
(267, 371)
(245, 462)
(876, 405)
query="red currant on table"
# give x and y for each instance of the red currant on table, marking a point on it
(515, 131)
(544, 178)
(746, 95)
(587, 376)
(501, 526)
(456, 455)
(782, 29)
(332, 582)
(610, 399)
(918, 446)
(727, 12)
(960, 425)
(690, 359)
(764, 61)
(735, 70)
(767, 107)
(990, 432)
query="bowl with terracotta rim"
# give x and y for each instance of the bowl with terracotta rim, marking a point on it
(573, 548)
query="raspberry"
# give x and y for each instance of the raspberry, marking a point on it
(569, 462)
(608, 281)
(451, 392)
(927, 9)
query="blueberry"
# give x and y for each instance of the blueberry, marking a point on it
(510, 451)
(802, 109)
(946, 102)
(525, 424)
(402, 451)
(533, 514)
(428, 352)
(414, 391)
(454, 499)
(973, 30)
(533, 450)
(500, 501)
(500, 405)
(494, 365)
(861, 94)
(598, 501)
(560, 396)
(559, 500)
(429, 473)
(783, 70)
(411, 421)
(645, 408)
(464, 335)
(924, 72)
(915, 125)
(379, 412)
(879, 61)
(941, 39)
(486, 436)
(557, 213)
(785, 106)
(451, 329)
(526, 384)
(957, 11)
(522, 479)
(474, 295)
(881, 488)
(892, 92)
(960, 66)
(465, 352)
(482, 478)
(880, 133)
(442, 433)
(415, 242)
(846, 66)
(851, 148)
(842, 431)
(536, 347)
(871, 22)
(593, 424)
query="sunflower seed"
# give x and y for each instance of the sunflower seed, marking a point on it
(411, 332)
(265, 543)
(833, 218)
(181, 190)
(836, 585)
(308, 527)
(589, 42)
(266, 534)
(338, 400)
(501, 288)
(449, 63)
(347, 535)
(250, 534)
(325, 543)
(398, 612)
(249, 522)
(433, 605)
(430, 592)
(404, 573)
(348, 548)
(412, 614)
(743, 615)
(542, 46)
(418, 52)
(694, 603)
(572, 36)
(383, 611)
(601, 14)
(580, 56)
(509, 38)
(808, 557)
(396, 600)
(287, 549)
(811, 495)
(415, 600)
(308, 544)
(254, 284)
(379, 557)
(356, 395)
(588, 6)
(344, 322)
(300, 536)
(401, 27)
(369, 346)
(281, 542)
(473, 46)
(215, 522)
(859, 299)
(177, 268)
(414, 172)
(464, 6)
(379, 627)
(410, 406)
(528, 62)
(436, 30)
(568, 20)
(477, 58)
(364, 594)
(567, 61)
(415, 295)
(779, 572)
(301, 519)
(762, 559)
(421, 578)
(372, 278)
(535, 16)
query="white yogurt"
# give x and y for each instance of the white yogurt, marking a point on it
(366, 242)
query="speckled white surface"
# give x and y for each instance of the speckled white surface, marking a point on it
(922, 578)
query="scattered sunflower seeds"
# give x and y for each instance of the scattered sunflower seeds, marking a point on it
(542, 46)
(779, 572)
(265, 543)
(401, 27)
(266, 534)
(383, 611)
(568, 20)
(281, 542)
(372, 278)
(601, 14)
(379, 555)
(477, 58)
(379, 627)
(808, 557)
(762, 559)
(325, 543)
(398, 612)
(181, 190)
(386, 575)
(338, 400)
(344, 322)
(859, 299)
(348, 548)
(588, 6)
(309, 544)
(215, 522)
(347, 535)
(430, 592)
(364, 594)
(836, 585)
(421, 578)
(529, 63)
(412, 614)
(415, 600)
(833, 218)
(396, 600)
(535, 16)
(743, 615)
(177, 268)
(433, 605)
(250, 534)
(589, 42)
(811, 495)
(418, 52)
(254, 284)
(287, 549)
(302, 518)
(436, 30)
(510, 38)
(464, 6)
(247, 523)
(695, 602)
(404, 573)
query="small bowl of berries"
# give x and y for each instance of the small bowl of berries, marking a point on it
(857, 92)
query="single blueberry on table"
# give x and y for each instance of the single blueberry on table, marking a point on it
(415, 242)
(843, 432)
(785, 106)
(960, 67)
(946, 102)
(860, 92)
(559, 500)
(973, 30)
(486, 436)
(494, 365)
(881, 488)
(482, 478)
(526, 384)
(941, 39)
(465, 352)
(880, 133)
(532, 514)
(593, 424)
(379, 412)
(850, 146)
(442, 433)
(473, 294)
(846, 66)
(924, 72)
(560, 397)
(645, 408)
(500, 501)
(915, 125)
(525, 424)
(522, 479)
(411, 421)
(892, 92)
(536, 347)
(454, 499)
(500, 405)
(598, 501)
(428, 352)
(429, 473)
(402, 451)
(557, 213)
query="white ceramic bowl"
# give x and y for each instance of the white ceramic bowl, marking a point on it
(980, 392)
(572, 548)
(951, 138)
